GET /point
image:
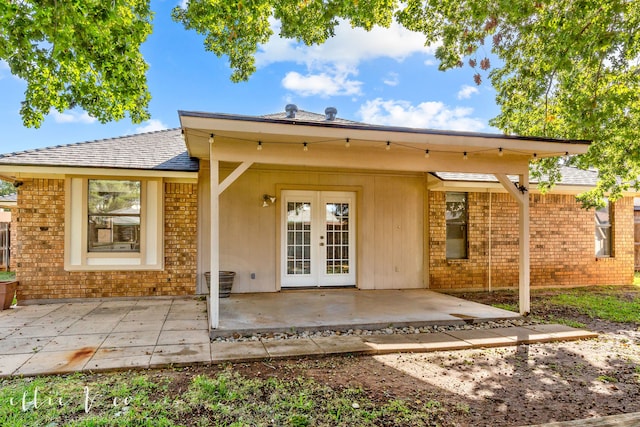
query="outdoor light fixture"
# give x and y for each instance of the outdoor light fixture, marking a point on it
(210, 138)
(347, 144)
(426, 154)
(268, 200)
(259, 145)
(500, 152)
(388, 147)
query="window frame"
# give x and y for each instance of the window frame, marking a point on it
(464, 222)
(77, 256)
(112, 215)
(609, 225)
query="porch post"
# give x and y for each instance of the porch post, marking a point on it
(525, 261)
(521, 195)
(214, 303)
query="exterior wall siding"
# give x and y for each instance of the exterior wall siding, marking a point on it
(562, 244)
(39, 248)
(389, 229)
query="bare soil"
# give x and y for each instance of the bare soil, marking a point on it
(510, 386)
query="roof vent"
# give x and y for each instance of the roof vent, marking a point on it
(330, 113)
(291, 110)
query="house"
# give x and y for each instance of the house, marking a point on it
(301, 200)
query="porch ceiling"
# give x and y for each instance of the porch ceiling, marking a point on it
(236, 140)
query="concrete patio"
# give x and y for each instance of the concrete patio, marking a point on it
(114, 334)
(341, 309)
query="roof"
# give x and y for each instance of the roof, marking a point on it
(570, 176)
(313, 119)
(307, 116)
(160, 150)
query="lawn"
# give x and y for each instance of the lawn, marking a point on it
(223, 397)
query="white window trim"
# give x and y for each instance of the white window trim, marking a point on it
(76, 254)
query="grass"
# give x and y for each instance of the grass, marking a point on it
(225, 398)
(605, 303)
(7, 276)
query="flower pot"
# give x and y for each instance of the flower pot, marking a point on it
(225, 282)
(7, 292)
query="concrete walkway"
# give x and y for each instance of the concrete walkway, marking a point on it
(149, 333)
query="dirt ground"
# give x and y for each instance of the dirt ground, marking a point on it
(510, 386)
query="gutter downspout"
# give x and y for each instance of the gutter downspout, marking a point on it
(490, 243)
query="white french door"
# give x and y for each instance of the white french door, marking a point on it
(318, 238)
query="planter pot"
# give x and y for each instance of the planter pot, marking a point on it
(225, 282)
(7, 292)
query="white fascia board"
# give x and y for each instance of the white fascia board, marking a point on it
(289, 132)
(60, 171)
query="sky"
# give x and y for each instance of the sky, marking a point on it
(384, 77)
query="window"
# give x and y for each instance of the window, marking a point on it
(456, 219)
(114, 216)
(603, 231)
(113, 223)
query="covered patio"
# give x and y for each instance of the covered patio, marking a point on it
(377, 174)
(344, 309)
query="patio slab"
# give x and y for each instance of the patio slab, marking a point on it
(348, 344)
(292, 348)
(98, 341)
(344, 309)
(482, 338)
(238, 351)
(180, 355)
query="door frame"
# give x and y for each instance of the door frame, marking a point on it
(357, 189)
(319, 239)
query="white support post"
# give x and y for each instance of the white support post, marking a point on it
(525, 261)
(214, 301)
(522, 197)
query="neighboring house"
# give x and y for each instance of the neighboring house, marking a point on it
(302, 200)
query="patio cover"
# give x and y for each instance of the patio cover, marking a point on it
(338, 144)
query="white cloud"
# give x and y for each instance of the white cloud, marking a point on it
(151, 125)
(349, 46)
(73, 117)
(331, 82)
(466, 91)
(430, 62)
(392, 79)
(430, 115)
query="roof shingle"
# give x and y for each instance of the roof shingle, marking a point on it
(160, 150)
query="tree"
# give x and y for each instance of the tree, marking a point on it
(6, 188)
(78, 54)
(567, 68)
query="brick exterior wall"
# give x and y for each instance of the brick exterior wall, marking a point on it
(562, 244)
(39, 249)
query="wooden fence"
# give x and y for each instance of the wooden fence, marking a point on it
(5, 243)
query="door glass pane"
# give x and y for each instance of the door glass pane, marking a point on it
(299, 238)
(336, 226)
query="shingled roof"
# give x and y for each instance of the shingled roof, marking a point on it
(160, 150)
(570, 176)
(308, 116)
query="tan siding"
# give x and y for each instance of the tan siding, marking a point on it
(389, 227)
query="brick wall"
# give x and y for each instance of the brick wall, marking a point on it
(39, 249)
(562, 244)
